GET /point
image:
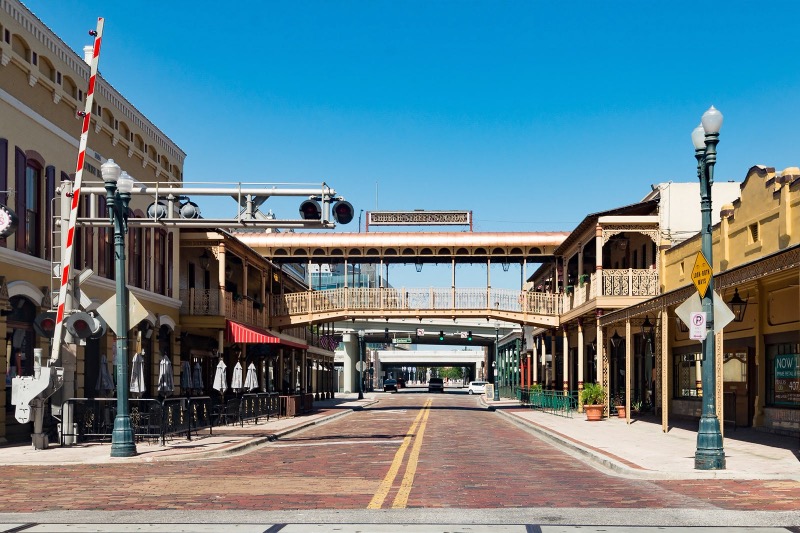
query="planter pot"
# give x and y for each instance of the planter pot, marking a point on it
(620, 411)
(594, 413)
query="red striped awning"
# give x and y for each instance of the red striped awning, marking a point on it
(236, 332)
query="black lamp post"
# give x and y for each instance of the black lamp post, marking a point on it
(118, 194)
(709, 454)
(361, 364)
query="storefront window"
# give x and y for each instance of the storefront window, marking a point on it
(687, 376)
(783, 375)
(734, 367)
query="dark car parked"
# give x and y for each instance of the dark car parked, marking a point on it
(389, 384)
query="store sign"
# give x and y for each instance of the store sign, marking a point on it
(787, 379)
(8, 221)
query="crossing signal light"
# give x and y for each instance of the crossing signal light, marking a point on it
(441, 335)
(45, 324)
(310, 210)
(469, 336)
(84, 326)
(343, 212)
(386, 334)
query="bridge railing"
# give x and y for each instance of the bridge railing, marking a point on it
(389, 299)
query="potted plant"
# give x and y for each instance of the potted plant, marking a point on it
(619, 405)
(636, 407)
(583, 279)
(593, 397)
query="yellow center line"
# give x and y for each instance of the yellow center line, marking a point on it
(401, 500)
(388, 480)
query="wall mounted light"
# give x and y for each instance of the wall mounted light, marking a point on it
(205, 260)
(738, 306)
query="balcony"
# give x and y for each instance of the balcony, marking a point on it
(619, 282)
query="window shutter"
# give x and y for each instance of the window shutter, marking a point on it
(3, 178)
(20, 162)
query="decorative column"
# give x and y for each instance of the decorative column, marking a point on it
(565, 359)
(581, 358)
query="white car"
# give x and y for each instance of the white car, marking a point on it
(476, 387)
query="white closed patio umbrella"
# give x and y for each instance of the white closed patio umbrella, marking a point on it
(165, 380)
(251, 380)
(105, 384)
(137, 374)
(221, 378)
(236, 378)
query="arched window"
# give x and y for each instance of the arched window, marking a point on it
(34, 187)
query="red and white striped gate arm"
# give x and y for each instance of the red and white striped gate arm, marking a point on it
(66, 251)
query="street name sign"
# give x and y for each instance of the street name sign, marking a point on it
(406, 340)
(701, 274)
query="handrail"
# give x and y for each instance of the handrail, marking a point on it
(549, 401)
(411, 299)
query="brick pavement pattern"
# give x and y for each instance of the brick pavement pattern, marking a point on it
(469, 458)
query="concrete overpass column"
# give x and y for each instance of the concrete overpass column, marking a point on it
(378, 370)
(350, 341)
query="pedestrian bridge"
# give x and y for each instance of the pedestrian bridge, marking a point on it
(522, 307)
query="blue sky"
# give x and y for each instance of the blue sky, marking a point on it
(531, 114)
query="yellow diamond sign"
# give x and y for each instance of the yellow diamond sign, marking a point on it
(701, 274)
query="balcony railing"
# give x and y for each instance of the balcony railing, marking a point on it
(614, 282)
(392, 299)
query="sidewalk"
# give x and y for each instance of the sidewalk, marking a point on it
(641, 449)
(223, 440)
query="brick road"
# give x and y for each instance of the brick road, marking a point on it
(469, 458)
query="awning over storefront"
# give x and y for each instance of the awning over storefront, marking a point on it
(236, 332)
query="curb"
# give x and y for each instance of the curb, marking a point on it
(614, 467)
(243, 447)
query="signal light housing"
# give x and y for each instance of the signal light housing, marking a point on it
(310, 210)
(343, 212)
(84, 326)
(45, 324)
(469, 336)
(441, 335)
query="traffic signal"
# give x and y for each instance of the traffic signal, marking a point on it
(469, 336)
(84, 326)
(343, 212)
(441, 335)
(188, 210)
(45, 324)
(310, 210)
(386, 334)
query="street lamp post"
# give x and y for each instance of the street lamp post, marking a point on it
(709, 454)
(118, 194)
(361, 364)
(494, 364)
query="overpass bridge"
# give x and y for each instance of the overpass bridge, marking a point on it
(508, 305)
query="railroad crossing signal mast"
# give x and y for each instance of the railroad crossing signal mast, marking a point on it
(171, 208)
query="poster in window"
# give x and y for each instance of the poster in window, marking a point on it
(787, 379)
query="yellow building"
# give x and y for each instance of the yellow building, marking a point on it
(756, 265)
(42, 88)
